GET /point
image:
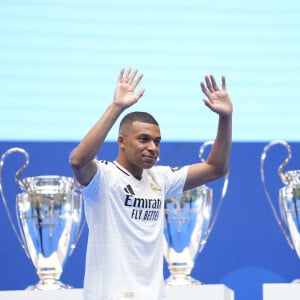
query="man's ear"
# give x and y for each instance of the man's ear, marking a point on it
(121, 142)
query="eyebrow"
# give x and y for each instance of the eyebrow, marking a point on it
(149, 136)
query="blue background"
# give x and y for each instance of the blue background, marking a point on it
(245, 249)
(59, 61)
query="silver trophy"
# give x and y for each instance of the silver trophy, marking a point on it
(287, 210)
(49, 217)
(189, 220)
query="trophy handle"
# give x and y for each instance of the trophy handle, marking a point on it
(282, 176)
(224, 190)
(20, 184)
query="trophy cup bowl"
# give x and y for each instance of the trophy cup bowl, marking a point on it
(49, 213)
(188, 222)
(289, 202)
(287, 210)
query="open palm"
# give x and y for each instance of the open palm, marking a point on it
(218, 100)
(124, 92)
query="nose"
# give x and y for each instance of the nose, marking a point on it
(152, 146)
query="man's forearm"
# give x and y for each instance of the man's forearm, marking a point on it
(220, 153)
(92, 142)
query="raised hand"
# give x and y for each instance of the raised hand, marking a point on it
(218, 100)
(124, 92)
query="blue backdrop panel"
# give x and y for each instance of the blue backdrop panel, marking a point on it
(245, 249)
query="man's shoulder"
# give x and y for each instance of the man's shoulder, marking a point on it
(165, 169)
(104, 162)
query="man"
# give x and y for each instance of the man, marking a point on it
(124, 199)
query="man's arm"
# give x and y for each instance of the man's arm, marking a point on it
(82, 159)
(217, 162)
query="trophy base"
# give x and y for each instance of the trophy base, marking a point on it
(182, 281)
(47, 286)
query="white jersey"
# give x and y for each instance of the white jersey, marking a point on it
(125, 217)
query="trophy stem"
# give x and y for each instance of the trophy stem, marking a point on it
(181, 280)
(180, 276)
(47, 283)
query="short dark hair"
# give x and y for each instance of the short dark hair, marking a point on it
(137, 116)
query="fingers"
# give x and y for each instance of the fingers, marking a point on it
(207, 103)
(140, 93)
(126, 78)
(211, 86)
(121, 75)
(204, 89)
(211, 83)
(208, 84)
(223, 83)
(214, 84)
(130, 76)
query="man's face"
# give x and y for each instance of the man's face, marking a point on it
(140, 144)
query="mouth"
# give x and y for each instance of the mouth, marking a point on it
(149, 159)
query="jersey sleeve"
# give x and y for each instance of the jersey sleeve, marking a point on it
(174, 180)
(91, 191)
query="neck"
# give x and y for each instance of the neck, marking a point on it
(132, 169)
